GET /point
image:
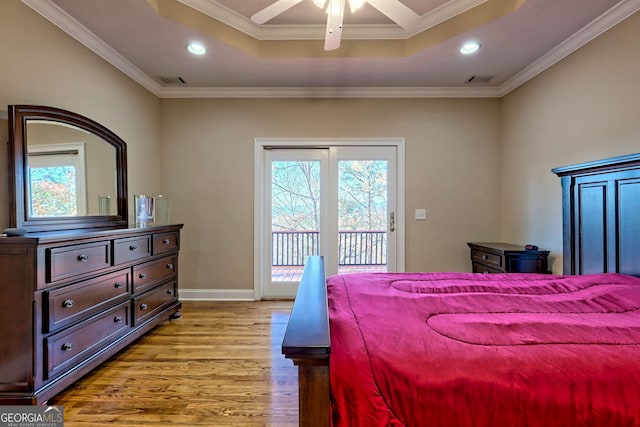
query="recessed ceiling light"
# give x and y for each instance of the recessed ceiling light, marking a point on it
(469, 47)
(196, 48)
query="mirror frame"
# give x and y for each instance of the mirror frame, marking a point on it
(18, 210)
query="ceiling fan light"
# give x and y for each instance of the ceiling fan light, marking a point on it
(356, 4)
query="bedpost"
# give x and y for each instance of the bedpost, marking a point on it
(307, 343)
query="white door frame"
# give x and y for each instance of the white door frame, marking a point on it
(260, 144)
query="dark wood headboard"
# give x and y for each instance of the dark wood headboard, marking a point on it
(308, 344)
(601, 216)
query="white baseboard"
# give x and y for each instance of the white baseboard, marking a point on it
(216, 295)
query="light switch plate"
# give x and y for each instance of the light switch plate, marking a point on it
(421, 214)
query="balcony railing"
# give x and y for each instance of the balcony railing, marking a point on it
(291, 248)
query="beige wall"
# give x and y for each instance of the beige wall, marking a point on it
(481, 167)
(586, 107)
(206, 152)
(42, 65)
(452, 170)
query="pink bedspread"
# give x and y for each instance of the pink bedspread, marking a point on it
(495, 350)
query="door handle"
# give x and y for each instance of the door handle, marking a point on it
(392, 222)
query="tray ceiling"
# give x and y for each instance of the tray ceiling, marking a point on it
(146, 39)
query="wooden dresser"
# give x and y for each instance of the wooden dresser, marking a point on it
(72, 299)
(507, 258)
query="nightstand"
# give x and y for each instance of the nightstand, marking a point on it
(507, 258)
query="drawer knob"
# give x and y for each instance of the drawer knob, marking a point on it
(67, 346)
(165, 241)
(83, 257)
(68, 303)
(484, 257)
(142, 276)
(118, 285)
(144, 306)
(133, 247)
(170, 266)
(117, 319)
(170, 291)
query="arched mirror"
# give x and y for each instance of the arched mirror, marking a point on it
(69, 172)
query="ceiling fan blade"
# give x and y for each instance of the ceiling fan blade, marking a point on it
(397, 12)
(273, 10)
(333, 33)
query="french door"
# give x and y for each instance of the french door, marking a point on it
(338, 201)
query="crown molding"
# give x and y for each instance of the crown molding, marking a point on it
(215, 10)
(241, 23)
(223, 14)
(331, 92)
(595, 28)
(444, 12)
(69, 25)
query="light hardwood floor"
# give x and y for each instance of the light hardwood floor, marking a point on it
(220, 365)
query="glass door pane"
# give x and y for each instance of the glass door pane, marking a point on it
(294, 184)
(295, 217)
(362, 215)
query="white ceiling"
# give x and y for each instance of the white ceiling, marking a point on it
(150, 48)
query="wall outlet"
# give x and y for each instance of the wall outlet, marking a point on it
(421, 214)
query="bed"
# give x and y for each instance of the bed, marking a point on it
(463, 349)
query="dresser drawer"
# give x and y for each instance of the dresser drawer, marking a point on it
(165, 242)
(149, 274)
(67, 261)
(151, 303)
(75, 302)
(67, 348)
(493, 260)
(131, 249)
(482, 268)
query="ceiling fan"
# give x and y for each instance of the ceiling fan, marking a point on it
(393, 9)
